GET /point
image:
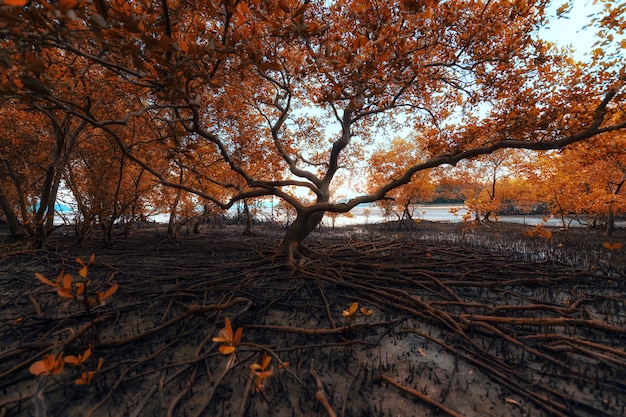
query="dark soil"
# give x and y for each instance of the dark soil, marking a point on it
(465, 322)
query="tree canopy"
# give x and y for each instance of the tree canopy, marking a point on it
(231, 100)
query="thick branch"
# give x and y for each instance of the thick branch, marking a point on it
(448, 159)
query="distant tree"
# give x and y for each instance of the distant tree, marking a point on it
(389, 163)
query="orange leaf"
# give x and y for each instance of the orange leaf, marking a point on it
(237, 337)
(612, 246)
(49, 365)
(80, 287)
(225, 334)
(77, 360)
(44, 279)
(351, 310)
(83, 272)
(17, 3)
(546, 234)
(88, 376)
(85, 378)
(65, 293)
(226, 349)
(265, 361)
(226, 337)
(104, 295)
(67, 282)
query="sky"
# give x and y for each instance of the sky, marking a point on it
(568, 29)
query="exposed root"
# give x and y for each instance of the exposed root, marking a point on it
(422, 397)
(320, 395)
(297, 256)
(546, 338)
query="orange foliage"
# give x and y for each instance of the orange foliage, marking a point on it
(241, 100)
(612, 246)
(49, 365)
(227, 338)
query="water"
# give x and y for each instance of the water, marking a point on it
(445, 213)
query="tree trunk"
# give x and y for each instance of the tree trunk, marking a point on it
(610, 222)
(15, 227)
(172, 226)
(300, 229)
(248, 230)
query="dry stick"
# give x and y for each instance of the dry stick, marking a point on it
(4, 403)
(110, 393)
(169, 305)
(320, 396)
(443, 286)
(514, 341)
(496, 331)
(422, 397)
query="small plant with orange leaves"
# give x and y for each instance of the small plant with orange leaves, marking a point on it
(353, 312)
(67, 288)
(229, 341)
(78, 290)
(227, 338)
(261, 371)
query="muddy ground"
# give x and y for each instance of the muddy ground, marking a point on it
(465, 322)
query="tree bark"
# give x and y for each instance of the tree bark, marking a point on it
(291, 245)
(15, 227)
(248, 215)
(610, 222)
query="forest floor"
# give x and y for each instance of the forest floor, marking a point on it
(464, 322)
